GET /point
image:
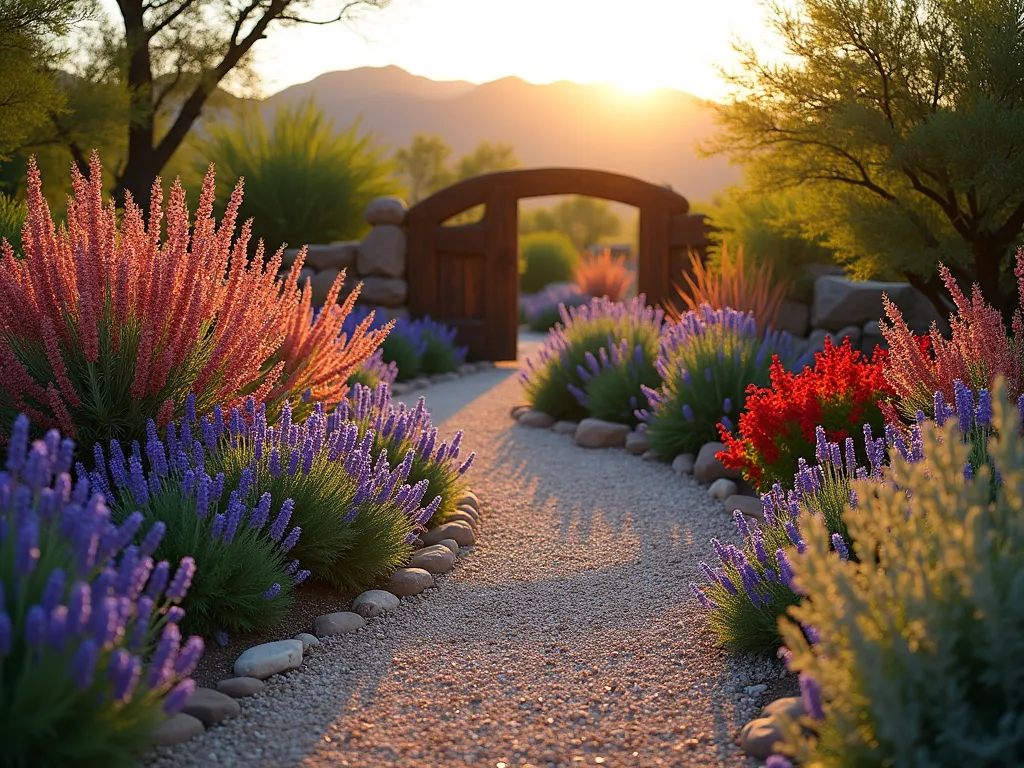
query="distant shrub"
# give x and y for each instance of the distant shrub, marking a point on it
(545, 258)
(398, 431)
(102, 329)
(305, 181)
(603, 275)
(91, 656)
(732, 284)
(708, 359)
(374, 371)
(542, 310)
(13, 214)
(243, 579)
(914, 659)
(614, 380)
(587, 328)
(840, 393)
(440, 353)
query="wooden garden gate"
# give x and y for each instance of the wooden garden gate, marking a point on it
(468, 277)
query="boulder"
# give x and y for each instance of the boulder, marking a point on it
(651, 455)
(518, 409)
(793, 318)
(385, 210)
(374, 602)
(852, 331)
(308, 641)
(460, 532)
(341, 255)
(759, 737)
(538, 419)
(748, 505)
(240, 687)
(262, 661)
(382, 252)
(433, 559)
(840, 302)
(564, 427)
(388, 313)
(451, 544)
(597, 433)
(465, 517)
(176, 729)
(790, 706)
(637, 443)
(871, 337)
(386, 291)
(338, 623)
(210, 706)
(707, 468)
(816, 341)
(471, 499)
(684, 463)
(409, 581)
(722, 489)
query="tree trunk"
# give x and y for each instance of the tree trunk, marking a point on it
(988, 257)
(138, 172)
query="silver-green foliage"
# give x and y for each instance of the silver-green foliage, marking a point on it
(922, 634)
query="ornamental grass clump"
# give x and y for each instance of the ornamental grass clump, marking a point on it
(357, 513)
(240, 540)
(91, 654)
(918, 638)
(707, 360)
(598, 324)
(614, 381)
(603, 274)
(979, 349)
(401, 431)
(105, 323)
(839, 394)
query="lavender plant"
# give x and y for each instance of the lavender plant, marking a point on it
(587, 328)
(357, 512)
(91, 654)
(542, 310)
(440, 352)
(707, 360)
(918, 642)
(241, 544)
(405, 347)
(402, 431)
(615, 379)
(374, 371)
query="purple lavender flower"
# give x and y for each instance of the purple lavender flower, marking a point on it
(272, 591)
(83, 663)
(182, 580)
(785, 569)
(810, 693)
(964, 405)
(175, 701)
(706, 602)
(983, 411)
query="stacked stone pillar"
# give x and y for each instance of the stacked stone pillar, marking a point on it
(378, 261)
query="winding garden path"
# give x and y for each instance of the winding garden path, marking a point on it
(566, 638)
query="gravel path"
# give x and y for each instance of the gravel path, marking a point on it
(567, 637)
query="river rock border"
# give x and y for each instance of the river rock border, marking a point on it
(758, 736)
(435, 556)
(425, 382)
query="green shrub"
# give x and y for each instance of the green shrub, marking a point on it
(440, 352)
(708, 359)
(918, 645)
(545, 258)
(13, 214)
(615, 380)
(304, 181)
(405, 351)
(551, 382)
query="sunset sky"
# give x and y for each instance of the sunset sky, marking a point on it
(637, 44)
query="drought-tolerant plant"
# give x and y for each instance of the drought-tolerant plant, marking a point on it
(731, 284)
(91, 656)
(978, 349)
(918, 638)
(708, 358)
(398, 431)
(587, 328)
(615, 379)
(840, 393)
(603, 275)
(440, 353)
(542, 310)
(356, 511)
(405, 347)
(545, 258)
(104, 324)
(306, 182)
(374, 371)
(240, 544)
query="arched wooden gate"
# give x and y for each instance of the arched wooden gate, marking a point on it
(467, 276)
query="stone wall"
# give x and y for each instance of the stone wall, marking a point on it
(378, 261)
(842, 307)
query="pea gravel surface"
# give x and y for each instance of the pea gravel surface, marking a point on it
(566, 637)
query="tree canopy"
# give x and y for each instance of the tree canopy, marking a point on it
(425, 169)
(903, 121)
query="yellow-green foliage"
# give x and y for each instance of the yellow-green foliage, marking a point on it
(922, 634)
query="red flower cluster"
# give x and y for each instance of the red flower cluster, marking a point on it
(841, 393)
